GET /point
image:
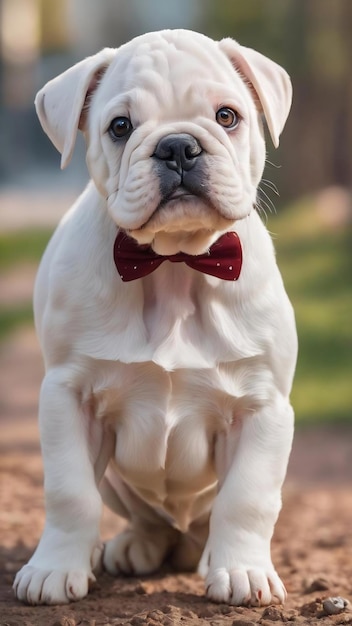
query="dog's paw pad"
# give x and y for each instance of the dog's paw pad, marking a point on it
(39, 586)
(132, 553)
(254, 587)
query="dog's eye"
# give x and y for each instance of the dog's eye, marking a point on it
(227, 118)
(120, 127)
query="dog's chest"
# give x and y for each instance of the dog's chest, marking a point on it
(190, 322)
(166, 425)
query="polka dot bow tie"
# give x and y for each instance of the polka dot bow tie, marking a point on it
(224, 259)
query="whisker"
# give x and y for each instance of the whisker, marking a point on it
(272, 234)
(261, 209)
(271, 185)
(270, 205)
(277, 167)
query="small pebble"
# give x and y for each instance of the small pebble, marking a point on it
(273, 614)
(140, 589)
(318, 584)
(333, 606)
(311, 609)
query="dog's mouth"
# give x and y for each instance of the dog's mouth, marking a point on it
(182, 222)
(180, 192)
(181, 195)
(179, 207)
(180, 212)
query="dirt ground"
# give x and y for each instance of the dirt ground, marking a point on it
(312, 546)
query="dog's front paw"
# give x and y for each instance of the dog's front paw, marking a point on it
(133, 552)
(240, 586)
(34, 585)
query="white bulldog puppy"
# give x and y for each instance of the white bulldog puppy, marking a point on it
(168, 339)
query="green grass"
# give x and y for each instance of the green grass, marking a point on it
(16, 249)
(315, 263)
(22, 246)
(14, 317)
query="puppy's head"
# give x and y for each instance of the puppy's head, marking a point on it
(172, 122)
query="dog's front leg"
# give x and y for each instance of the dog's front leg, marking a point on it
(236, 561)
(61, 567)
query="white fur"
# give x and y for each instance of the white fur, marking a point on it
(168, 395)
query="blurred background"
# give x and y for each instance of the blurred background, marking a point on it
(310, 219)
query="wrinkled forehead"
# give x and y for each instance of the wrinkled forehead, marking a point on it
(170, 66)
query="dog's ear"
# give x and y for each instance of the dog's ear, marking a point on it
(61, 102)
(269, 80)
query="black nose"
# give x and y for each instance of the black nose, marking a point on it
(179, 151)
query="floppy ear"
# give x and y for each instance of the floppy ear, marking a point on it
(269, 80)
(60, 103)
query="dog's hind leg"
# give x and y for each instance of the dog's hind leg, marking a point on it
(146, 542)
(139, 550)
(188, 550)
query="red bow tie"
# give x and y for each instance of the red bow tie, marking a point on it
(224, 259)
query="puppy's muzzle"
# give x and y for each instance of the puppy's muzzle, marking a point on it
(180, 166)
